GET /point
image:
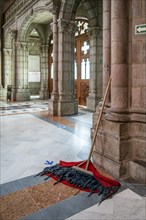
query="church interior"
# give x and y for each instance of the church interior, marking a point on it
(58, 59)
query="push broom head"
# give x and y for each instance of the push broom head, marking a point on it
(77, 177)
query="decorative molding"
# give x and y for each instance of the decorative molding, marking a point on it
(17, 9)
(21, 45)
(7, 51)
(54, 6)
(13, 33)
(67, 26)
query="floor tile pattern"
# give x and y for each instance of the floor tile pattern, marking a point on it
(29, 137)
(30, 199)
(22, 107)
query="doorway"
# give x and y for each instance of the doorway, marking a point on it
(82, 63)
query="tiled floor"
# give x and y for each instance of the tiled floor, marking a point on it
(29, 137)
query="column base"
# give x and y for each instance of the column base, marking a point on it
(44, 94)
(117, 144)
(62, 108)
(20, 95)
(112, 167)
(113, 149)
(53, 107)
(3, 94)
(67, 107)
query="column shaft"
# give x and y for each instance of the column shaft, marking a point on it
(7, 66)
(95, 88)
(21, 71)
(44, 72)
(119, 44)
(106, 44)
(55, 58)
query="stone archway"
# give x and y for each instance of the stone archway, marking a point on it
(32, 22)
(63, 95)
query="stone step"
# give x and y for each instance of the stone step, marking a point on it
(137, 170)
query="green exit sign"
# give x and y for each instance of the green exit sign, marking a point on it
(140, 29)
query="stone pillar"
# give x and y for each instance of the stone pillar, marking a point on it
(67, 103)
(119, 60)
(13, 72)
(95, 89)
(3, 92)
(7, 66)
(26, 55)
(112, 148)
(106, 45)
(22, 91)
(53, 102)
(0, 64)
(44, 72)
(13, 35)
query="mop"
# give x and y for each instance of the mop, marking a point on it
(83, 175)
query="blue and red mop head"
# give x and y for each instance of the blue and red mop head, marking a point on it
(66, 173)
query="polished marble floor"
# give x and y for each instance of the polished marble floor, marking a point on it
(29, 137)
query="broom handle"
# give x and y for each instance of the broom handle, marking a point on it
(98, 122)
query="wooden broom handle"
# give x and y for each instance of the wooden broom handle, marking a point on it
(98, 123)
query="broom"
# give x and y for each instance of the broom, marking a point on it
(95, 133)
(83, 175)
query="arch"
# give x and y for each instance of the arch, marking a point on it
(26, 26)
(91, 10)
(39, 29)
(69, 9)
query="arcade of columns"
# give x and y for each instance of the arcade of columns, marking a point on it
(62, 100)
(121, 141)
(63, 96)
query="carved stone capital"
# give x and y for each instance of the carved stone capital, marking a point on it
(7, 51)
(21, 45)
(54, 6)
(44, 48)
(54, 9)
(13, 33)
(67, 26)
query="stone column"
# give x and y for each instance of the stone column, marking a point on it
(106, 45)
(0, 64)
(3, 91)
(7, 66)
(95, 88)
(67, 102)
(13, 72)
(26, 55)
(44, 72)
(13, 35)
(22, 91)
(119, 66)
(113, 147)
(53, 102)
